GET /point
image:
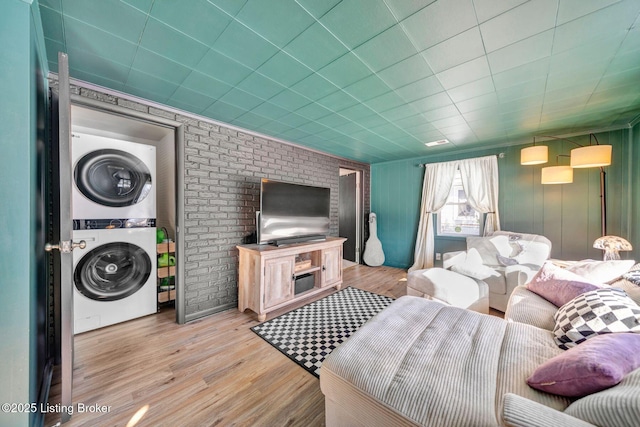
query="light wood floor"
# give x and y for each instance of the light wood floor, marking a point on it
(213, 371)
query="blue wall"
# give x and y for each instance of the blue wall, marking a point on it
(569, 214)
(23, 70)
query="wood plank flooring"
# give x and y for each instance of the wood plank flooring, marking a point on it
(210, 372)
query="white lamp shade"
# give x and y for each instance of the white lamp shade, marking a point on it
(557, 175)
(591, 156)
(534, 155)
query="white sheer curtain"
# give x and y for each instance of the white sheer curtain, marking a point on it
(480, 183)
(438, 178)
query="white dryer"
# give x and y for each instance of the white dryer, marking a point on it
(114, 276)
(112, 178)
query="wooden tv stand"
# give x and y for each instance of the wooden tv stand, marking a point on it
(272, 277)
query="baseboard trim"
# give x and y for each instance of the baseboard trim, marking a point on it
(200, 314)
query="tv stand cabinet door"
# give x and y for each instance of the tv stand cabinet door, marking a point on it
(278, 280)
(332, 266)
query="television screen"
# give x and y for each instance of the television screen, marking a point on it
(293, 211)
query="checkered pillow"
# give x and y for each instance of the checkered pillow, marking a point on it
(633, 277)
(601, 311)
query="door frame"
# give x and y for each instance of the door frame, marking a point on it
(178, 129)
(359, 208)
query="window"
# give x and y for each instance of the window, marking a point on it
(457, 217)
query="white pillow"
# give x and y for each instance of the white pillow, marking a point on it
(601, 271)
(535, 253)
(490, 247)
(478, 271)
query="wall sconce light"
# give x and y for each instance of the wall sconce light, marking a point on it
(534, 155)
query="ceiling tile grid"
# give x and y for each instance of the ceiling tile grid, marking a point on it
(369, 80)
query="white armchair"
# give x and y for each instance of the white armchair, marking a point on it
(503, 261)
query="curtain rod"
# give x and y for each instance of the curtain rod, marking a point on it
(499, 155)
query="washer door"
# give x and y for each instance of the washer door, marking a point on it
(112, 178)
(113, 271)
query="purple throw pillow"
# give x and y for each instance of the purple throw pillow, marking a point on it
(592, 366)
(557, 285)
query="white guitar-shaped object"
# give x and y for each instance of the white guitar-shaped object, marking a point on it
(373, 254)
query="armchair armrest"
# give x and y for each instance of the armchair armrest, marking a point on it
(453, 258)
(519, 274)
(521, 412)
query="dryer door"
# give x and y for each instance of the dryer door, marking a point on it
(112, 271)
(112, 178)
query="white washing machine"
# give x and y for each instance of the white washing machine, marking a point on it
(114, 276)
(112, 178)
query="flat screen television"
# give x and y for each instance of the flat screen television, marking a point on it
(292, 213)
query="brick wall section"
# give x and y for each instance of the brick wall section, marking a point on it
(223, 168)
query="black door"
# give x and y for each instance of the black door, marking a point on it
(347, 215)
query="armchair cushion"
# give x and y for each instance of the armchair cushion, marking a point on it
(490, 247)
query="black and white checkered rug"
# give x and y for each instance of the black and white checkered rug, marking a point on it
(308, 334)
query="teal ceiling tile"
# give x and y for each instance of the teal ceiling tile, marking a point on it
(313, 139)
(150, 83)
(294, 135)
(624, 61)
(612, 21)
(486, 114)
(367, 88)
(275, 128)
(315, 47)
(53, 47)
(142, 5)
(410, 122)
(399, 112)
(318, 8)
(356, 112)
(312, 127)
(450, 122)
(251, 120)
(159, 66)
(431, 102)
(337, 101)
(569, 10)
(477, 103)
(196, 100)
(420, 89)
(566, 79)
(90, 39)
(293, 120)
(270, 111)
(113, 17)
(223, 68)
(260, 86)
(172, 44)
(372, 121)
(487, 9)
(223, 112)
(594, 56)
(201, 20)
(455, 51)
(528, 50)
(345, 70)
(240, 43)
(88, 77)
(52, 24)
(524, 90)
(277, 21)
(232, 7)
(314, 87)
(349, 128)
(441, 113)
(407, 71)
(385, 49)
(532, 103)
(404, 8)
(206, 85)
(97, 65)
(284, 69)
(390, 132)
(313, 111)
(421, 128)
(356, 21)
(151, 96)
(628, 77)
(465, 73)
(241, 99)
(515, 76)
(472, 90)
(333, 120)
(289, 100)
(517, 24)
(575, 91)
(385, 102)
(433, 24)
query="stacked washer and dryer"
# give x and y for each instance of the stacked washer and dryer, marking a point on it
(114, 211)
